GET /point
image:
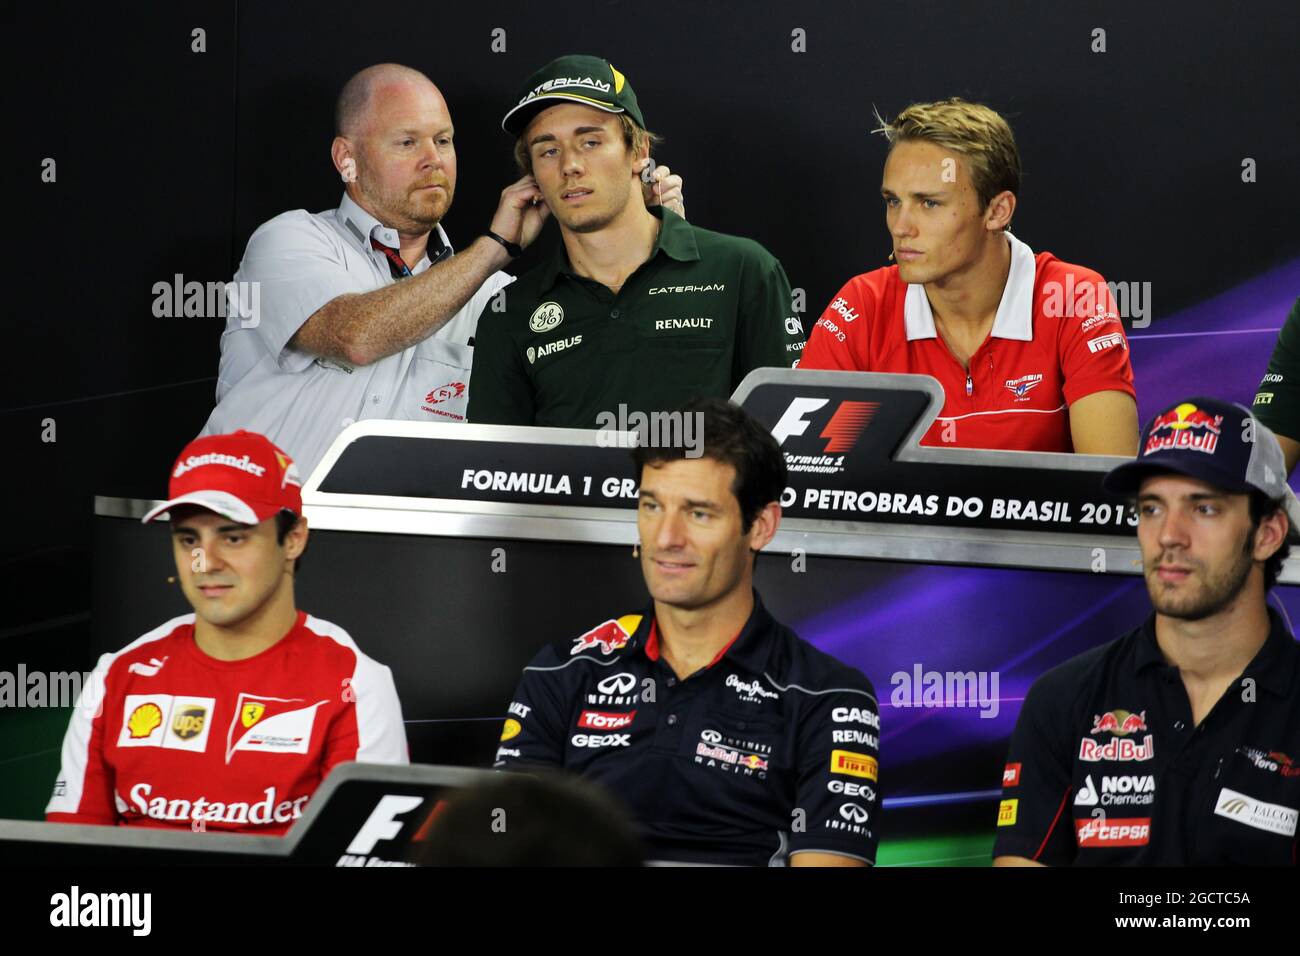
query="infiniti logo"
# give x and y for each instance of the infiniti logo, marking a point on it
(853, 813)
(711, 737)
(617, 684)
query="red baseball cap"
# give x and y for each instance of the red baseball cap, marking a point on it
(242, 476)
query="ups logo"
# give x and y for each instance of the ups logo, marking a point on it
(189, 722)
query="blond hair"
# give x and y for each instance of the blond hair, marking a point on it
(634, 136)
(978, 134)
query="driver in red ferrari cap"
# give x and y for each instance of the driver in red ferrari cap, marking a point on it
(230, 717)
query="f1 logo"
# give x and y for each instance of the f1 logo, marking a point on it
(382, 824)
(793, 421)
(842, 431)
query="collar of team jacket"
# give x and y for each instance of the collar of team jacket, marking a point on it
(676, 240)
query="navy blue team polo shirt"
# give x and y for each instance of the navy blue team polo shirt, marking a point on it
(771, 749)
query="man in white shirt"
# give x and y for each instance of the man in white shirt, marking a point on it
(362, 311)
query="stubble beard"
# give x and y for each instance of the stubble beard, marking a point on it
(1217, 593)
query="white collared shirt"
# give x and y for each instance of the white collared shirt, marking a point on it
(1015, 318)
(299, 261)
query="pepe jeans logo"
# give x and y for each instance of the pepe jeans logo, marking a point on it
(750, 691)
(546, 317)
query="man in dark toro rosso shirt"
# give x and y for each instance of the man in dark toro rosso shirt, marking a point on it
(730, 739)
(1179, 743)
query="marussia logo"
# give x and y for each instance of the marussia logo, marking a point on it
(1021, 386)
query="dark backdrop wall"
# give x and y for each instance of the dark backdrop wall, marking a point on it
(168, 158)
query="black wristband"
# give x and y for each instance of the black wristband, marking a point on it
(511, 247)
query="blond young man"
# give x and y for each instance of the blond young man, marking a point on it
(1030, 350)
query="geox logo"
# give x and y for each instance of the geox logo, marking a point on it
(550, 348)
(564, 82)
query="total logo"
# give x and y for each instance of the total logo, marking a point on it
(602, 720)
(1101, 831)
(1185, 426)
(1117, 791)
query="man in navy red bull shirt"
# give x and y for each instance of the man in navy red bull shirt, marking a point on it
(730, 739)
(1176, 744)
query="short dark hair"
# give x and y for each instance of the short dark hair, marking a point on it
(734, 437)
(284, 523)
(1261, 507)
(525, 820)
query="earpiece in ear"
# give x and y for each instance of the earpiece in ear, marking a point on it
(648, 174)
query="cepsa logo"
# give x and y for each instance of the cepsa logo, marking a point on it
(1185, 426)
(1101, 831)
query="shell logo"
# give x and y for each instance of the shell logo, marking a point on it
(144, 720)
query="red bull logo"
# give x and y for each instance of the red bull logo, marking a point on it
(1185, 426)
(1117, 748)
(1121, 723)
(609, 637)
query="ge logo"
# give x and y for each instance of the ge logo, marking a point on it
(546, 317)
(711, 737)
(617, 684)
(853, 813)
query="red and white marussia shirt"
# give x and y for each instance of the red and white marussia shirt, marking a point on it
(166, 736)
(1056, 338)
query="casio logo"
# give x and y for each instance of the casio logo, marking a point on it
(855, 715)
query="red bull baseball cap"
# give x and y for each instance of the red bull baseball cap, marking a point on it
(589, 80)
(242, 476)
(1220, 443)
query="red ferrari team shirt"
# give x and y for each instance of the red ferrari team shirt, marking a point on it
(1056, 338)
(166, 736)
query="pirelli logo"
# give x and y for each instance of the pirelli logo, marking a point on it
(853, 764)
